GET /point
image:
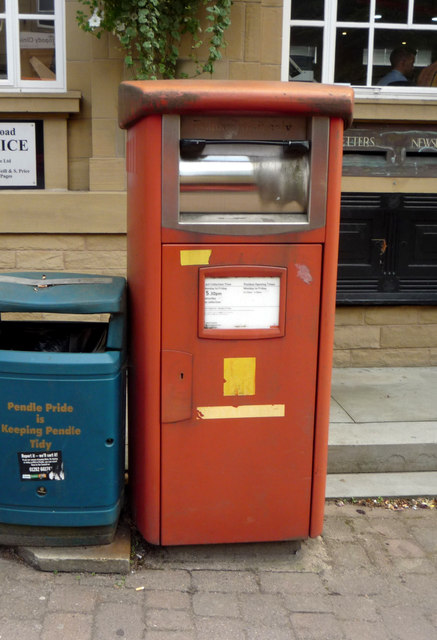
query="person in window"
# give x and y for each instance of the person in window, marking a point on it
(402, 62)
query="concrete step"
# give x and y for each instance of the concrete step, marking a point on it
(382, 447)
(383, 432)
(368, 485)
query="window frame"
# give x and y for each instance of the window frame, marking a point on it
(329, 24)
(14, 82)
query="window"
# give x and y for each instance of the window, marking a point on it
(32, 45)
(350, 42)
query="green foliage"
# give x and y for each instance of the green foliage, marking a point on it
(150, 31)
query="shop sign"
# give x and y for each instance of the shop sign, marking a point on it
(390, 151)
(21, 155)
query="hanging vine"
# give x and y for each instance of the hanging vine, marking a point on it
(150, 31)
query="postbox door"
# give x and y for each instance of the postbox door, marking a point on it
(238, 403)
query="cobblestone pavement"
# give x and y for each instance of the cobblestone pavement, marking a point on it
(372, 576)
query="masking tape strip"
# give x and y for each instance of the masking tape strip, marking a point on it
(195, 256)
(243, 411)
(239, 376)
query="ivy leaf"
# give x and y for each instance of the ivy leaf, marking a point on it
(150, 31)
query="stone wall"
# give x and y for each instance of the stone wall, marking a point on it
(385, 336)
(100, 254)
(253, 50)
(95, 142)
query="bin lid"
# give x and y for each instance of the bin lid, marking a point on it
(140, 98)
(61, 292)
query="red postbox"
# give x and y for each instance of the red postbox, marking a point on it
(233, 215)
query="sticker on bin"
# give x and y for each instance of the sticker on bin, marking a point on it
(242, 303)
(41, 466)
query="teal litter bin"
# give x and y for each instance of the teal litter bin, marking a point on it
(62, 409)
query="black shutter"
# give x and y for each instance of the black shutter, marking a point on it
(388, 249)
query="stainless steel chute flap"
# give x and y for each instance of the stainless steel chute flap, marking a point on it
(256, 176)
(248, 185)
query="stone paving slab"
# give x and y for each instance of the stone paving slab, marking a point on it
(383, 422)
(107, 558)
(361, 485)
(386, 394)
(338, 414)
(371, 576)
(373, 433)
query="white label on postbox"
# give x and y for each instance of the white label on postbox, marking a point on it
(242, 303)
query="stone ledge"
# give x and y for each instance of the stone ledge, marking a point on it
(391, 109)
(24, 102)
(63, 212)
(386, 447)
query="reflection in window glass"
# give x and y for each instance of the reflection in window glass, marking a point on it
(3, 59)
(306, 50)
(348, 59)
(425, 11)
(348, 11)
(425, 43)
(37, 51)
(2, 6)
(391, 11)
(36, 6)
(307, 9)
(349, 64)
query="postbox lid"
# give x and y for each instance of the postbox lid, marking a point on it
(61, 292)
(138, 99)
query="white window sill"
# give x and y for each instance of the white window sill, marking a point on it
(398, 94)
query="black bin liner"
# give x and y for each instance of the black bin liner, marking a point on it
(66, 337)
